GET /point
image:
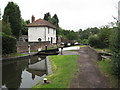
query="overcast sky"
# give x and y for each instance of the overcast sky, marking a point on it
(72, 14)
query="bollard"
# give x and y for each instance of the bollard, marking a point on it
(29, 49)
(45, 80)
(45, 47)
(61, 50)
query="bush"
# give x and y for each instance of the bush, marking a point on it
(8, 44)
(115, 47)
(94, 41)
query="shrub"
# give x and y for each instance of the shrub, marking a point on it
(115, 47)
(8, 44)
(94, 41)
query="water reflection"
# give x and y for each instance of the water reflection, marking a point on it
(23, 73)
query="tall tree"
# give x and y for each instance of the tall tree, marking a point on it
(47, 17)
(12, 15)
(55, 20)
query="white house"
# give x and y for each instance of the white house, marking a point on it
(41, 30)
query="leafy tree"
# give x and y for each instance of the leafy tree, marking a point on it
(94, 41)
(6, 28)
(104, 37)
(24, 29)
(115, 47)
(47, 17)
(55, 20)
(12, 15)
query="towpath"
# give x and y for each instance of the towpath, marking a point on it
(88, 75)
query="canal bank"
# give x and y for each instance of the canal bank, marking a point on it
(24, 55)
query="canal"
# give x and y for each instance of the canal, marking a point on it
(23, 73)
(27, 72)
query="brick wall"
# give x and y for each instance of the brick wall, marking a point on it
(23, 46)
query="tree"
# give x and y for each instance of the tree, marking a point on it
(12, 15)
(115, 48)
(6, 28)
(104, 37)
(24, 29)
(94, 41)
(47, 17)
(55, 20)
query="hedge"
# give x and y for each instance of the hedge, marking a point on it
(8, 44)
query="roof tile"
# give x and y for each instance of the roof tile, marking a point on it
(41, 23)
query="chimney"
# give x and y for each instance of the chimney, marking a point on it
(33, 18)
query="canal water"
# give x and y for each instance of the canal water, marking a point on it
(27, 72)
(23, 73)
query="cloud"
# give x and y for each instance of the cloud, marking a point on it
(73, 14)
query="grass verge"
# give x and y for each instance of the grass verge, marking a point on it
(64, 68)
(106, 68)
(14, 55)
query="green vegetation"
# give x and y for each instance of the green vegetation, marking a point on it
(6, 29)
(12, 15)
(64, 68)
(103, 50)
(8, 44)
(115, 48)
(106, 68)
(14, 55)
(53, 20)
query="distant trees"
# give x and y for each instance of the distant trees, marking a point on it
(102, 39)
(53, 20)
(12, 15)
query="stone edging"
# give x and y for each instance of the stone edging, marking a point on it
(18, 57)
(49, 67)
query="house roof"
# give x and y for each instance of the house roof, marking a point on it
(41, 23)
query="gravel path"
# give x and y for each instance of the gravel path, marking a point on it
(88, 75)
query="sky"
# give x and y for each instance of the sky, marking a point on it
(72, 14)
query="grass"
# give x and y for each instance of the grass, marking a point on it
(64, 68)
(106, 68)
(14, 55)
(102, 50)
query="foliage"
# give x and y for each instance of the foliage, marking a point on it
(55, 20)
(12, 15)
(8, 44)
(94, 41)
(88, 32)
(104, 37)
(6, 28)
(106, 68)
(24, 29)
(47, 17)
(62, 75)
(115, 48)
(100, 39)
